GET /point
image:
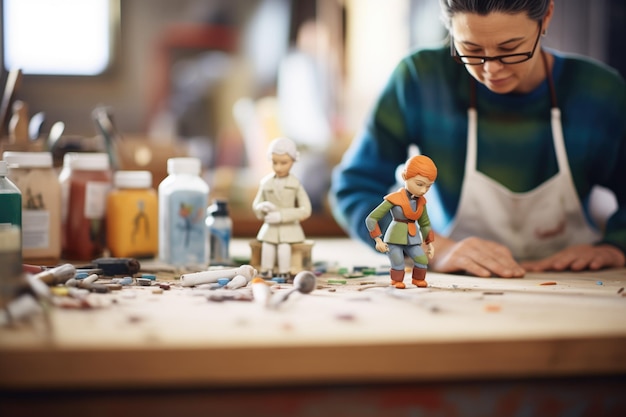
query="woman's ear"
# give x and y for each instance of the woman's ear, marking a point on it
(548, 17)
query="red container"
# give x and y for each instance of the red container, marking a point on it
(86, 180)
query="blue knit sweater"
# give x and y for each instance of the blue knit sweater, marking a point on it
(425, 103)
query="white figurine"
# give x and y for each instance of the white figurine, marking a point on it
(282, 203)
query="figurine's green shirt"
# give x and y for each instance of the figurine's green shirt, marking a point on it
(425, 103)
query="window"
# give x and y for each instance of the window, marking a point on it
(59, 37)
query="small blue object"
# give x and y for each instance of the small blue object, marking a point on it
(320, 267)
(126, 281)
(81, 275)
(151, 277)
(223, 281)
(279, 280)
(599, 283)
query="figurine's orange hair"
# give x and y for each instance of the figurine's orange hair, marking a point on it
(420, 165)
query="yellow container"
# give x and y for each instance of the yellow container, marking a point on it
(132, 216)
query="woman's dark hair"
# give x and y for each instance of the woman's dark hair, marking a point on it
(534, 9)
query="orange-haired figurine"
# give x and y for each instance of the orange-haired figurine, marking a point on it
(409, 231)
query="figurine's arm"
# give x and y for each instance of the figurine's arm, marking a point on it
(371, 222)
(301, 211)
(428, 235)
(261, 205)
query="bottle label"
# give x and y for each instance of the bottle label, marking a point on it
(186, 223)
(11, 208)
(132, 223)
(95, 199)
(41, 204)
(220, 241)
(36, 229)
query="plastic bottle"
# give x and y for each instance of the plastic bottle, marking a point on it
(10, 199)
(10, 262)
(33, 174)
(85, 179)
(183, 199)
(132, 216)
(219, 230)
(10, 236)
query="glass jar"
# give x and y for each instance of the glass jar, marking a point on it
(86, 179)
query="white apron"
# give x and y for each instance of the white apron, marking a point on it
(532, 224)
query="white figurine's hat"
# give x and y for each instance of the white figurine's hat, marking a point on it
(283, 146)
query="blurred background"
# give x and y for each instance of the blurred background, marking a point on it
(219, 79)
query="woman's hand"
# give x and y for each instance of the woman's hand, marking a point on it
(579, 258)
(475, 256)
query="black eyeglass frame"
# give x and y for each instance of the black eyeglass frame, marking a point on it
(524, 56)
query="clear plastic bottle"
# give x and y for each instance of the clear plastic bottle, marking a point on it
(219, 229)
(183, 200)
(86, 179)
(33, 174)
(132, 216)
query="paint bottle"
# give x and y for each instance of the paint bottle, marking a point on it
(85, 179)
(10, 236)
(219, 230)
(33, 174)
(183, 199)
(10, 262)
(10, 199)
(132, 216)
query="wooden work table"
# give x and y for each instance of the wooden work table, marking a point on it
(459, 329)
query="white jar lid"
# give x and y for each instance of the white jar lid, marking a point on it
(88, 161)
(132, 179)
(184, 166)
(28, 159)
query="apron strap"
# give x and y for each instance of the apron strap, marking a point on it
(555, 120)
(553, 100)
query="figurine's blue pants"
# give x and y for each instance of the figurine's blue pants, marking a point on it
(415, 252)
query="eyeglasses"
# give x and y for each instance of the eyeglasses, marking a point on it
(505, 59)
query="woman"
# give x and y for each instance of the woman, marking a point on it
(513, 184)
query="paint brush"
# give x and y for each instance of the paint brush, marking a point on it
(304, 283)
(57, 275)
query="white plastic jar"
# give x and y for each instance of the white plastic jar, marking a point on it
(183, 200)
